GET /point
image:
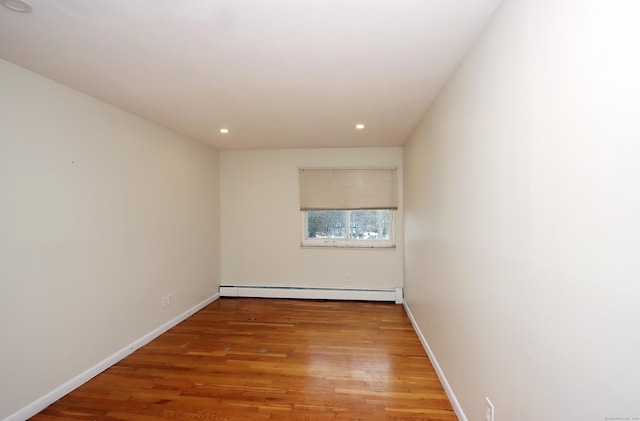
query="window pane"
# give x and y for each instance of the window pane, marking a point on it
(326, 224)
(369, 224)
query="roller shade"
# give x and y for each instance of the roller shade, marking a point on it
(324, 189)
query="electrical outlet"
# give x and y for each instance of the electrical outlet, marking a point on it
(347, 277)
(490, 410)
(166, 300)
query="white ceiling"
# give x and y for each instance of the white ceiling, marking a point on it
(277, 73)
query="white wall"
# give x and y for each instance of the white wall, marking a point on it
(522, 215)
(101, 214)
(261, 223)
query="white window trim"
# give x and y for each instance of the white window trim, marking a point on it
(348, 243)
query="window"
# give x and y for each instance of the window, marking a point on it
(348, 207)
(357, 228)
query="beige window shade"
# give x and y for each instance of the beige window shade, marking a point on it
(322, 189)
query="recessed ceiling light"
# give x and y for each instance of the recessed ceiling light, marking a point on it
(17, 5)
(224, 131)
(359, 126)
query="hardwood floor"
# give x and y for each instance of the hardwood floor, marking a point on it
(267, 359)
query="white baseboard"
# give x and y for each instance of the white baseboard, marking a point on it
(46, 400)
(392, 294)
(457, 408)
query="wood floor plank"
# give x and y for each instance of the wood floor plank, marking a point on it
(269, 359)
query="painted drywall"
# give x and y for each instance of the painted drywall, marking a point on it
(261, 222)
(522, 205)
(101, 214)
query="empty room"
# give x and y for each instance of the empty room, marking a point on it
(320, 210)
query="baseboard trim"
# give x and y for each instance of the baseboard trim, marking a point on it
(392, 294)
(457, 408)
(46, 400)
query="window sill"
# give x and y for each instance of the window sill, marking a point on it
(348, 244)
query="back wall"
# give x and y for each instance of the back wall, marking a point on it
(261, 222)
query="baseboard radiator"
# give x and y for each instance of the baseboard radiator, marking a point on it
(391, 294)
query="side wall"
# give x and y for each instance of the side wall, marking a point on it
(522, 215)
(101, 214)
(261, 223)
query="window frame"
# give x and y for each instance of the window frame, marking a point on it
(348, 242)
